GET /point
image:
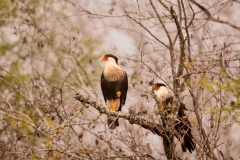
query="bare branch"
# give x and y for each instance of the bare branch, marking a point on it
(182, 43)
(163, 25)
(145, 28)
(211, 18)
(155, 128)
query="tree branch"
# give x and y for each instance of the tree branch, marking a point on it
(204, 135)
(211, 18)
(145, 28)
(182, 43)
(169, 38)
(155, 128)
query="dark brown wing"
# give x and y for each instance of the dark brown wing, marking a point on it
(183, 126)
(123, 88)
(104, 89)
(110, 88)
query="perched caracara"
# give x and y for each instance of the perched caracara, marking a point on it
(114, 84)
(182, 125)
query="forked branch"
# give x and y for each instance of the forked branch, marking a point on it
(155, 128)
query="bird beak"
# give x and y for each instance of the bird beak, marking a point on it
(155, 87)
(104, 58)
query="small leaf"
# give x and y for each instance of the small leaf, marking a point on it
(33, 157)
(49, 122)
(190, 64)
(80, 150)
(80, 140)
(13, 121)
(48, 143)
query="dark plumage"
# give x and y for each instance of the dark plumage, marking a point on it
(110, 88)
(182, 125)
(114, 85)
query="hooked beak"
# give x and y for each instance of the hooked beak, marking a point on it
(155, 87)
(104, 58)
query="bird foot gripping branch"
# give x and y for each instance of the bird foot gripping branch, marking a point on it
(112, 108)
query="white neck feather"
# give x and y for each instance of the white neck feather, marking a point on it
(112, 71)
(162, 93)
(111, 62)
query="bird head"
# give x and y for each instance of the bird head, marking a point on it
(157, 86)
(109, 58)
(161, 91)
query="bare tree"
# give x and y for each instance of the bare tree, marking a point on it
(50, 99)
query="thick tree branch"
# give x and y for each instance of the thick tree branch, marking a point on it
(182, 43)
(155, 128)
(164, 5)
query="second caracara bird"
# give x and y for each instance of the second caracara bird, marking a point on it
(114, 84)
(182, 126)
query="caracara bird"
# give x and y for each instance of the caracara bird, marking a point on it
(182, 126)
(114, 84)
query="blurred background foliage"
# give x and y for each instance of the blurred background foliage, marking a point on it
(41, 48)
(51, 48)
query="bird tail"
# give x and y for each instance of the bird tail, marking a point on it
(186, 139)
(188, 143)
(112, 122)
(184, 128)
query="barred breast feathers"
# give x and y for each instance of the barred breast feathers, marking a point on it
(113, 72)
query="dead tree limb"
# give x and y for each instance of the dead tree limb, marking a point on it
(155, 128)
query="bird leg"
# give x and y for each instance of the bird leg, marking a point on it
(112, 104)
(109, 104)
(114, 108)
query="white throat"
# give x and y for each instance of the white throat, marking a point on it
(162, 93)
(111, 62)
(112, 71)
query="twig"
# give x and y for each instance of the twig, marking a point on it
(163, 25)
(204, 135)
(182, 43)
(155, 128)
(145, 28)
(211, 18)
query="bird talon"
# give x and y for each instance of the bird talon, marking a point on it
(114, 108)
(118, 94)
(112, 105)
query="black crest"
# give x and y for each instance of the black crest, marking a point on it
(160, 84)
(110, 55)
